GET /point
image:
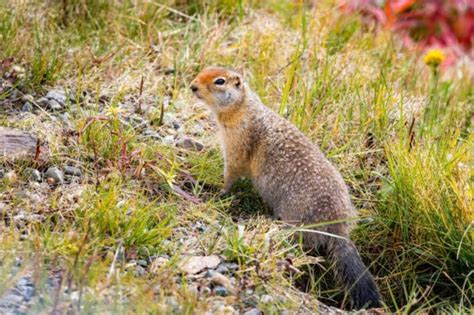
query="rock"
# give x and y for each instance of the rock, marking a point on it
(2, 173)
(54, 174)
(34, 174)
(24, 217)
(227, 267)
(28, 98)
(25, 288)
(253, 311)
(150, 133)
(137, 121)
(222, 268)
(189, 144)
(220, 280)
(27, 107)
(201, 227)
(3, 207)
(195, 264)
(11, 299)
(168, 140)
(142, 262)
(64, 117)
(140, 271)
(54, 105)
(18, 144)
(58, 96)
(11, 176)
(221, 291)
(197, 130)
(265, 299)
(73, 171)
(176, 124)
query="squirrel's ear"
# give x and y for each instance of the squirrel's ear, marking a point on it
(238, 81)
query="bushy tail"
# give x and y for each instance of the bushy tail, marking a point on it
(353, 274)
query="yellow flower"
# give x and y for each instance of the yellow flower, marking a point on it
(434, 57)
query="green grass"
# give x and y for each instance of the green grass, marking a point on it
(400, 133)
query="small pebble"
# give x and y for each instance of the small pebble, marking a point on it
(27, 107)
(150, 133)
(34, 174)
(190, 144)
(266, 299)
(168, 140)
(11, 176)
(222, 268)
(54, 105)
(140, 271)
(42, 101)
(28, 98)
(142, 262)
(221, 291)
(58, 96)
(253, 311)
(54, 176)
(73, 171)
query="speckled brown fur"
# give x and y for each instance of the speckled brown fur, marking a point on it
(289, 172)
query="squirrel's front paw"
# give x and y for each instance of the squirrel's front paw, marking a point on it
(223, 192)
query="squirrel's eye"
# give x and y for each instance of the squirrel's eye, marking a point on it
(219, 81)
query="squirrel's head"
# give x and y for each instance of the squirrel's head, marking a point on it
(220, 88)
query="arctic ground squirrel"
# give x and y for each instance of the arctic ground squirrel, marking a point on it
(289, 172)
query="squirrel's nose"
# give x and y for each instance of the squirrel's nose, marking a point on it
(194, 88)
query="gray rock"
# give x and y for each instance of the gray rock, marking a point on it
(142, 262)
(28, 98)
(254, 311)
(3, 207)
(150, 133)
(55, 174)
(11, 299)
(34, 174)
(25, 288)
(27, 107)
(197, 130)
(168, 140)
(221, 291)
(200, 226)
(222, 268)
(265, 299)
(42, 101)
(137, 121)
(227, 267)
(65, 119)
(190, 144)
(140, 271)
(23, 217)
(2, 173)
(54, 105)
(73, 171)
(58, 96)
(176, 124)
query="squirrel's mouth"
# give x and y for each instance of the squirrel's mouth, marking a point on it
(197, 95)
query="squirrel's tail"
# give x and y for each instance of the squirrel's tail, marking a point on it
(353, 274)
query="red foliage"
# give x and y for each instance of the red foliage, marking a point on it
(424, 23)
